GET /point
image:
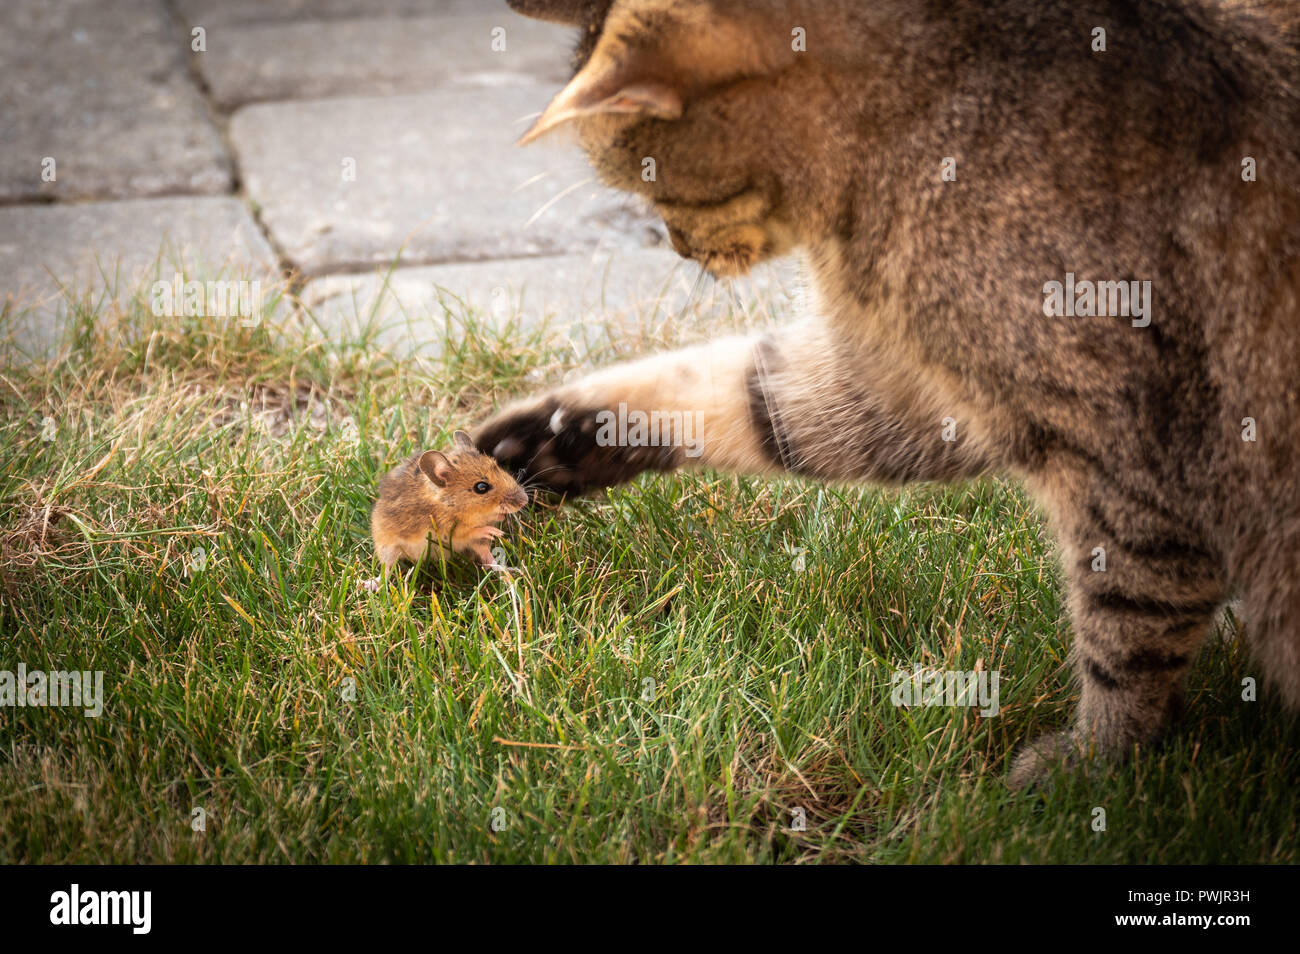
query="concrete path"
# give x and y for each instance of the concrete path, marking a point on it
(362, 149)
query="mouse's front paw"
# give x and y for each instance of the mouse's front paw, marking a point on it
(487, 559)
(556, 443)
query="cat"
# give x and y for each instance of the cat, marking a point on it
(1052, 239)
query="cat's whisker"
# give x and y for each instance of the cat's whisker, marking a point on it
(693, 298)
(529, 181)
(556, 198)
(736, 302)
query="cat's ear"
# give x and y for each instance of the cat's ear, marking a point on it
(568, 12)
(653, 57)
(608, 86)
(436, 467)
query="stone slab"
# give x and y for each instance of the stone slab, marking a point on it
(437, 178)
(407, 310)
(209, 13)
(103, 90)
(313, 59)
(117, 249)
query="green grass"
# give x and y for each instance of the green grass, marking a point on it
(316, 722)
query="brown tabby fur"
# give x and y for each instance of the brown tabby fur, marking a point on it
(1117, 165)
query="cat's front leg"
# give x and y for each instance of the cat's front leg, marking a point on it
(1143, 592)
(657, 413)
(797, 399)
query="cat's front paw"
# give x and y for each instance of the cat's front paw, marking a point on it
(559, 444)
(1037, 760)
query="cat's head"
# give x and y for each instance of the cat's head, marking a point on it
(714, 111)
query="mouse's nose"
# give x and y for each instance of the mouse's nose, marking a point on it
(519, 498)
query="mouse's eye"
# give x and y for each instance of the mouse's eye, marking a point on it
(482, 487)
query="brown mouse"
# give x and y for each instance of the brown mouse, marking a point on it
(455, 496)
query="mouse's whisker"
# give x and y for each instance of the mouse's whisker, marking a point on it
(535, 479)
(536, 454)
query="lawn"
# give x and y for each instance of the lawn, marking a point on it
(691, 669)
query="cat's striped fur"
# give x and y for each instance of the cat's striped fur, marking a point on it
(1118, 165)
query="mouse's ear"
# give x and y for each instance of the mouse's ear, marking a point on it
(436, 467)
(464, 441)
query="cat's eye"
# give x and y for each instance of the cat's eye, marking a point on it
(482, 487)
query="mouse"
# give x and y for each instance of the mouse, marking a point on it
(453, 497)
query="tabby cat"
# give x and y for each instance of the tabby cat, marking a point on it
(983, 190)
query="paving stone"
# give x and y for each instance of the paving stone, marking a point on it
(365, 57)
(209, 13)
(437, 178)
(116, 249)
(103, 89)
(407, 309)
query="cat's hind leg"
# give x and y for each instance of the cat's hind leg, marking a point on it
(1268, 572)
